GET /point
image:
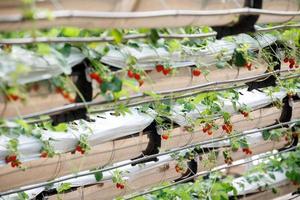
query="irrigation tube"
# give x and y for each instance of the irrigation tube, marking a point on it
(202, 173)
(142, 95)
(148, 157)
(20, 41)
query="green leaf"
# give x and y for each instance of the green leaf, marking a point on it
(24, 125)
(23, 196)
(66, 50)
(98, 176)
(71, 32)
(154, 36)
(43, 49)
(117, 35)
(239, 58)
(115, 85)
(62, 127)
(272, 176)
(266, 134)
(64, 187)
(104, 87)
(174, 45)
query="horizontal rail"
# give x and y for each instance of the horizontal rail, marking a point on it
(218, 139)
(20, 41)
(149, 14)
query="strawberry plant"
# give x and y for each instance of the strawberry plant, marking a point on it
(118, 179)
(83, 145)
(12, 157)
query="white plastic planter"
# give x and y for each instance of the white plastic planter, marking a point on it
(36, 67)
(147, 57)
(106, 127)
(253, 99)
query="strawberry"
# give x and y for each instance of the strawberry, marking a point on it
(209, 126)
(59, 90)
(71, 99)
(209, 132)
(121, 186)
(166, 71)
(165, 136)
(248, 66)
(244, 113)
(44, 154)
(159, 67)
(80, 149)
(13, 97)
(286, 59)
(118, 185)
(291, 66)
(96, 77)
(196, 72)
(130, 74)
(204, 129)
(178, 169)
(292, 61)
(15, 163)
(227, 127)
(66, 95)
(137, 76)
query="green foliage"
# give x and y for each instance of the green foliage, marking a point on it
(63, 188)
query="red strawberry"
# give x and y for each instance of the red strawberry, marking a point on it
(13, 158)
(165, 136)
(178, 169)
(246, 114)
(71, 99)
(286, 59)
(292, 61)
(291, 66)
(44, 154)
(121, 186)
(166, 71)
(248, 66)
(59, 90)
(209, 126)
(13, 164)
(196, 72)
(130, 74)
(66, 95)
(209, 132)
(118, 185)
(227, 127)
(94, 75)
(137, 76)
(13, 97)
(205, 129)
(159, 68)
(78, 148)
